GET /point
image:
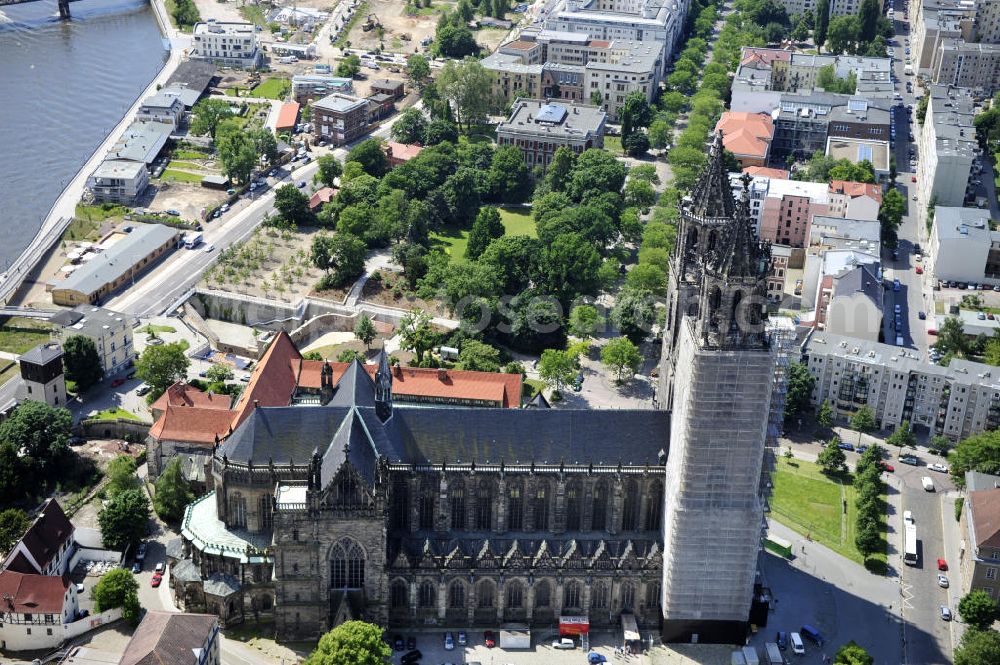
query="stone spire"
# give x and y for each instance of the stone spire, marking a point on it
(712, 196)
(743, 253)
(383, 388)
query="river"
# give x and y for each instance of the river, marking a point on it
(64, 85)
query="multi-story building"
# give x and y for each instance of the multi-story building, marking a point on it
(540, 127)
(435, 516)
(955, 401)
(307, 88)
(964, 247)
(110, 331)
(854, 200)
(969, 65)
(118, 181)
(877, 153)
(849, 242)
(35, 610)
(948, 146)
(47, 547)
(797, 7)
(849, 296)
(981, 527)
(141, 142)
(780, 254)
(987, 27)
(512, 78)
(804, 123)
(116, 265)
(226, 44)
(162, 107)
(177, 639)
(788, 209)
(934, 21)
(42, 377)
(747, 135)
(340, 119)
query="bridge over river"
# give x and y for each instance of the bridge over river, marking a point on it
(63, 5)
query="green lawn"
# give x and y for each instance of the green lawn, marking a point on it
(613, 144)
(82, 228)
(151, 328)
(117, 412)
(810, 503)
(184, 153)
(533, 387)
(18, 335)
(996, 164)
(174, 164)
(99, 213)
(516, 222)
(181, 176)
(275, 87)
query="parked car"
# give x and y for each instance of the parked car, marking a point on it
(942, 565)
(782, 639)
(909, 459)
(919, 270)
(921, 315)
(887, 467)
(411, 643)
(136, 568)
(159, 568)
(449, 641)
(397, 643)
(300, 184)
(411, 657)
(463, 639)
(489, 639)
(117, 382)
(943, 581)
(846, 446)
(173, 213)
(937, 466)
(595, 658)
(155, 582)
(79, 588)
(564, 643)
(945, 613)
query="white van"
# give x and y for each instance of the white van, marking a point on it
(907, 517)
(927, 483)
(797, 646)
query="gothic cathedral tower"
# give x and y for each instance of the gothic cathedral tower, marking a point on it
(717, 371)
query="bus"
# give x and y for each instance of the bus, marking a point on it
(910, 545)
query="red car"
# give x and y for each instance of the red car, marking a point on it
(489, 640)
(117, 382)
(919, 270)
(913, 178)
(942, 564)
(887, 467)
(155, 582)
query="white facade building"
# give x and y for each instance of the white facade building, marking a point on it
(227, 44)
(948, 146)
(111, 332)
(963, 248)
(118, 181)
(162, 107)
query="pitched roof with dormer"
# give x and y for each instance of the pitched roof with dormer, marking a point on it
(42, 542)
(32, 594)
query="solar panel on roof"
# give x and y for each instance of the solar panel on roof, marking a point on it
(865, 152)
(551, 113)
(857, 104)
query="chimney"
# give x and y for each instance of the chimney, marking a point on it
(256, 403)
(442, 374)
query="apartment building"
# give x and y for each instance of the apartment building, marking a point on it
(340, 119)
(172, 638)
(967, 65)
(963, 246)
(875, 152)
(310, 87)
(948, 146)
(854, 200)
(797, 7)
(789, 208)
(110, 331)
(747, 135)
(780, 256)
(955, 401)
(511, 78)
(987, 27)
(981, 528)
(934, 21)
(849, 299)
(162, 107)
(118, 181)
(804, 123)
(836, 247)
(757, 190)
(226, 44)
(540, 127)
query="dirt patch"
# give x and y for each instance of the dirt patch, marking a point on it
(271, 263)
(186, 198)
(333, 295)
(221, 11)
(390, 290)
(396, 25)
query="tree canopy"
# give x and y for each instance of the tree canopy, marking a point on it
(81, 362)
(118, 588)
(173, 492)
(978, 609)
(123, 520)
(162, 366)
(351, 643)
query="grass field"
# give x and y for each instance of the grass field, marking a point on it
(18, 335)
(184, 153)
(174, 164)
(181, 176)
(151, 328)
(82, 229)
(516, 222)
(613, 144)
(809, 502)
(118, 412)
(273, 88)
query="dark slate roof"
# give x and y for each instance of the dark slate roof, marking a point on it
(355, 387)
(185, 571)
(283, 434)
(350, 443)
(42, 354)
(221, 584)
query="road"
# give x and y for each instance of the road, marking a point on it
(160, 288)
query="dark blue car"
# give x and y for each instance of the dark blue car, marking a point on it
(846, 446)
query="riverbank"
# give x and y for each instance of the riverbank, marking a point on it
(29, 264)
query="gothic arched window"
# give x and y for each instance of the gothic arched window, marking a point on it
(237, 510)
(484, 593)
(628, 596)
(571, 594)
(541, 507)
(347, 491)
(456, 595)
(515, 596)
(484, 506)
(398, 595)
(599, 596)
(400, 502)
(427, 496)
(573, 507)
(630, 509)
(599, 519)
(543, 594)
(653, 594)
(457, 507)
(654, 507)
(265, 508)
(515, 509)
(347, 565)
(426, 594)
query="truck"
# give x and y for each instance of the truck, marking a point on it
(193, 239)
(774, 656)
(750, 655)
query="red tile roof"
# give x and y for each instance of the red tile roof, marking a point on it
(192, 424)
(43, 539)
(986, 517)
(746, 134)
(321, 196)
(288, 115)
(168, 638)
(402, 152)
(780, 174)
(184, 394)
(765, 56)
(32, 594)
(854, 189)
(273, 381)
(599, 43)
(520, 44)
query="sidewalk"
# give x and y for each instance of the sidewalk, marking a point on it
(954, 549)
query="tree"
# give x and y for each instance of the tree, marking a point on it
(827, 79)
(487, 227)
(207, 114)
(978, 609)
(596, 98)
(952, 339)
(371, 155)
(417, 67)
(571, 266)
(349, 67)
(351, 643)
(514, 260)
(824, 416)
(596, 172)
(264, 143)
(219, 373)
(440, 131)
(409, 127)
(660, 133)
(800, 387)
(173, 492)
(556, 368)
(647, 277)
(868, 17)
(468, 86)
(237, 153)
(585, 320)
(978, 647)
(863, 420)
(634, 112)
(922, 108)
(15, 475)
(621, 356)
(890, 213)
(803, 25)
(455, 42)
(479, 357)
(639, 193)
(832, 458)
(39, 434)
(867, 538)
(121, 475)
(822, 23)
(161, 367)
(123, 520)
(852, 654)
(365, 331)
(843, 34)
(416, 333)
(13, 523)
(328, 170)
(509, 179)
(634, 313)
(560, 169)
(293, 206)
(902, 436)
(82, 364)
(118, 588)
(341, 256)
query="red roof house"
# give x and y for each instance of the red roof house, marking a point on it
(288, 116)
(400, 153)
(46, 547)
(321, 197)
(747, 135)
